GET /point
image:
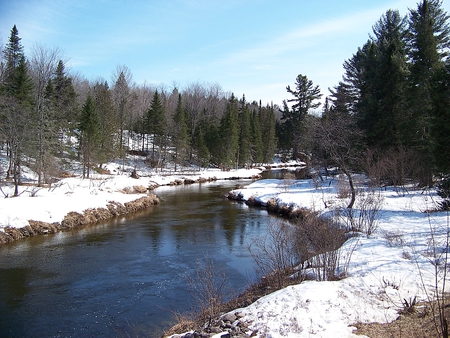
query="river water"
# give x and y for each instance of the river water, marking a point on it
(126, 277)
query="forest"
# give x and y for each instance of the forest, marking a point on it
(389, 117)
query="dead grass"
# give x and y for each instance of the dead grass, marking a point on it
(419, 324)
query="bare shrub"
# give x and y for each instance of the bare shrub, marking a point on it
(363, 217)
(288, 180)
(275, 253)
(210, 286)
(318, 243)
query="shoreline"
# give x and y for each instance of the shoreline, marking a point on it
(75, 219)
(112, 209)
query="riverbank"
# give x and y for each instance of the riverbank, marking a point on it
(387, 273)
(74, 201)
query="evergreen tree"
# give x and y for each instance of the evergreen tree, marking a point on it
(13, 54)
(122, 103)
(440, 122)
(305, 97)
(180, 137)
(428, 44)
(256, 135)
(89, 134)
(229, 132)
(268, 131)
(203, 153)
(64, 97)
(155, 122)
(16, 106)
(386, 127)
(108, 123)
(244, 151)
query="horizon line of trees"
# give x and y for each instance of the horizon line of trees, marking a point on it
(388, 117)
(47, 115)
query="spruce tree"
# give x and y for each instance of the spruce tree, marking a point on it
(89, 134)
(428, 45)
(256, 135)
(180, 137)
(244, 151)
(16, 106)
(108, 123)
(229, 134)
(156, 125)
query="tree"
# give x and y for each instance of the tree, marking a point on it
(440, 122)
(268, 132)
(428, 45)
(156, 125)
(16, 106)
(13, 53)
(244, 156)
(122, 102)
(180, 135)
(89, 134)
(64, 97)
(340, 140)
(43, 64)
(386, 122)
(256, 140)
(109, 146)
(305, 94)
(229, 134)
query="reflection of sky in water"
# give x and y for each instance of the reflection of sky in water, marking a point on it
(96, 279)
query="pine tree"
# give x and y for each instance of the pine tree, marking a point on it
(386, 127)
(16, 106)
(244, 151)
(155, 121)
(89, 134)
(180, 137)
(64, 97)
(229, 134)
(428, 44)
(268, 131)
(305, 97)
(256, 135)
(108, 123)
(12, 53)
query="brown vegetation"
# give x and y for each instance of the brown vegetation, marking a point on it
(75, 219)
(416, 323)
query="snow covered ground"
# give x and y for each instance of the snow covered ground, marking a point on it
(77, 194)
(394, 264)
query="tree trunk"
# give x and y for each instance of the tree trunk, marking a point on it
(352, 188)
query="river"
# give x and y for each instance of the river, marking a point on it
(127, 277)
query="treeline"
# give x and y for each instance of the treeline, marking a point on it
(48, 115)
(390, 115)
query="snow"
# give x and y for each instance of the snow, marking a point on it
(393, 264)
(77, 194)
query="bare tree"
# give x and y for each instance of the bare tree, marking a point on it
(43, 63)
(123, 100)
(339, 137)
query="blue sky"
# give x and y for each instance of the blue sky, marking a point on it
(251, 47)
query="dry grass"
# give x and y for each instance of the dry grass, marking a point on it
(419, 324)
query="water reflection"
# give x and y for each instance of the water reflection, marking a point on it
(97, 280)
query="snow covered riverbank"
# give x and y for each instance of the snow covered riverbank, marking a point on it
(393, 265)
(75, 194)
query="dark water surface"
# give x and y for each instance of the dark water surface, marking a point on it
(124, 278)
